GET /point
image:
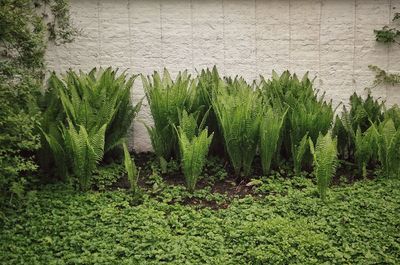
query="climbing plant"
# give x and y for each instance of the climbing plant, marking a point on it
(389, 35)
(26, 27)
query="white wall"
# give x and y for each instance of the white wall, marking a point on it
(333, 39)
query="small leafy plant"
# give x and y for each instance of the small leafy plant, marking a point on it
(325, 161)
(194, 143)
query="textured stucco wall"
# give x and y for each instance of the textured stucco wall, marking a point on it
(333, 39)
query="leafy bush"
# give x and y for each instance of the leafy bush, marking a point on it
(238, 109)
(194, 143)
(325, 161)
(270, 132)
(166, 98)
(23, 43)
(86, 115)
(18, 137)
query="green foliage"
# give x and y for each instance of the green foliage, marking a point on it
(194, 143)
(362, 113)
(308, 114)
(91, 101)
(78, 152)
(270, 132)
(22, 38)
(383, 77)
(131, 169)
(325, 161)
(365, 149)
(359, 225)
(238, 110)
(388, 35)
(166, 98)
(105, 176)
(388, 141)
(394, 114)
(208, 83)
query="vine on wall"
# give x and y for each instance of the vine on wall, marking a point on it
(25, 28)
(390, 35)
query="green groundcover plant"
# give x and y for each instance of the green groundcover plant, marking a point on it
(358, 225)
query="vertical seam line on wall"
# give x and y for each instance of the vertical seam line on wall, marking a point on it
(129, 37)
(223, 34)
(255, 40)
(99, 33)
(290, 37)
(161, 37)
(319, 41)
(388, 48)
(191, 29)
(354, 44)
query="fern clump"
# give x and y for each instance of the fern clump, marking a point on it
(81, 110)
(207, 85)
(308, 114)
(360, 115)
(270, 131)
(166, 98)
(238, 109)
(365, 149)
(325, 161)
(194, 143)
(78, 151)
(388, 141)
(131, 169)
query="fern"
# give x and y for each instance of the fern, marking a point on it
(365, 149)
(207, 85)
(238, 110)
(166, 98)
(194, 145)
(325, 161)
(308, 114)
(131, 169)
(89, 100)
(85, 150)
(362, 113)
(388, 139)
(270, 130)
